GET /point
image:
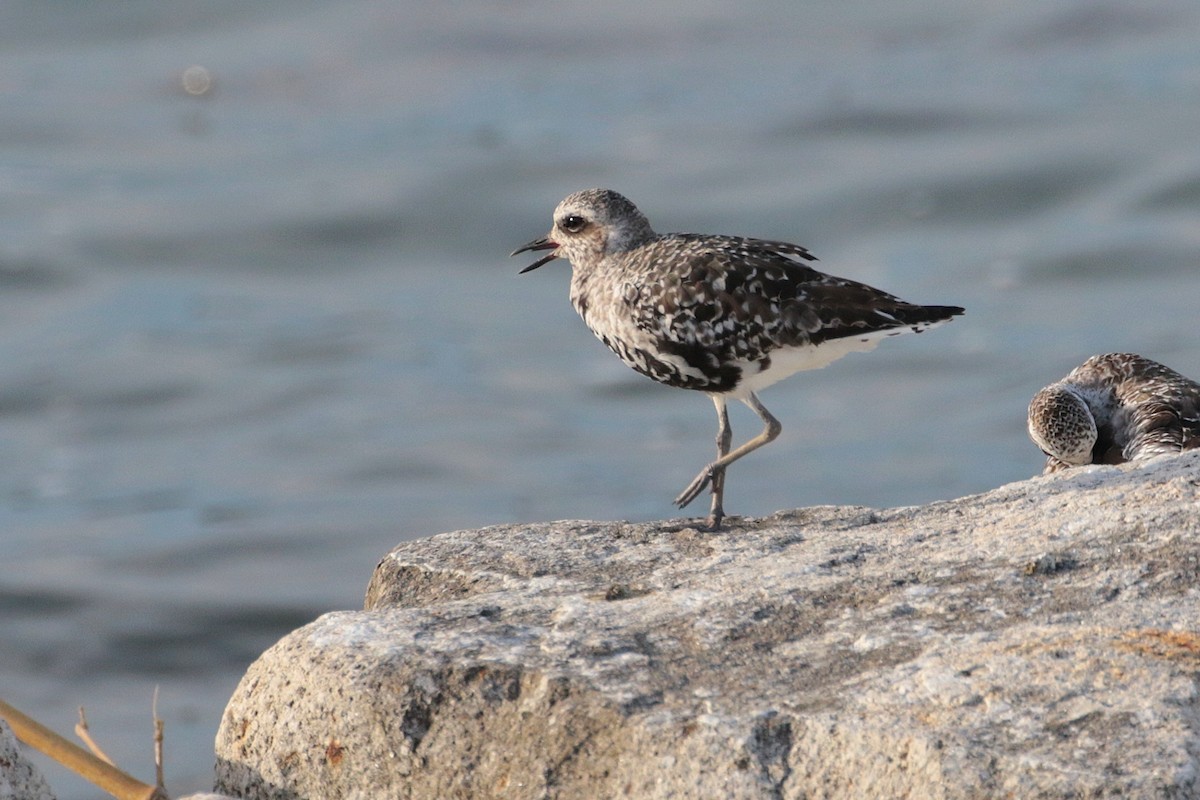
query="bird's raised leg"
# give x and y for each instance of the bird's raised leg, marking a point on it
(709, 474)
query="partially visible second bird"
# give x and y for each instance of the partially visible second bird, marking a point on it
(724, 315)
(1115, 408)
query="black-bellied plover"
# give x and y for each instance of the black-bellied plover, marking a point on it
(1115, 408)
(722, 314)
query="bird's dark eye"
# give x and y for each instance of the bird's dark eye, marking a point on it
(572, 223)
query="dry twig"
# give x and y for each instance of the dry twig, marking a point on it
(158, 742)
(82, 731)
(112, 780)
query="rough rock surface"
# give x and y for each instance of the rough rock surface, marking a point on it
(19, 778)
(1040, 640)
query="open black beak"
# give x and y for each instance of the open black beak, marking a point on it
(537, 244)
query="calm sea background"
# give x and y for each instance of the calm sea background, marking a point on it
(252, 338)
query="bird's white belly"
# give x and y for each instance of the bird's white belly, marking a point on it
(787, 361)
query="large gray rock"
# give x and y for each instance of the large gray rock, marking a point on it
(19, 778)
(1040, 640)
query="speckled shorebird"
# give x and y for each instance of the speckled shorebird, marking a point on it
(722, 314)
(1115, 408)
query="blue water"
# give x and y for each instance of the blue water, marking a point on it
(253, 337)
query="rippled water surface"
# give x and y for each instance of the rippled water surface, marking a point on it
(255, 336)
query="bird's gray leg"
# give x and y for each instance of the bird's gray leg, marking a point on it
(707, 475)
(724, 439)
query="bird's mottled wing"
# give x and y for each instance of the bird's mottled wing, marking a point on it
(741, 298)
(1164, 405)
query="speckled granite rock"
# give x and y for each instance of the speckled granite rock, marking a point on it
(19, 778)
(1041, 640)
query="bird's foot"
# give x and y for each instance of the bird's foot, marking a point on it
(694, 488)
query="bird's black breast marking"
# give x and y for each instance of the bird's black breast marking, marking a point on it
(713, 377)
